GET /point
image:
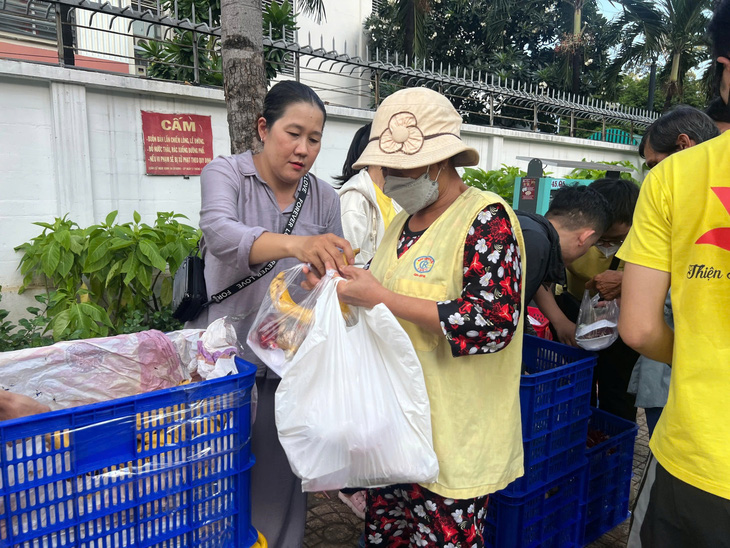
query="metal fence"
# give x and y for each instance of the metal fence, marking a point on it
(152, 41)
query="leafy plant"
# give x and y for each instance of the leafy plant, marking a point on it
(108, 278)
(580, 173)
(500, 181)
(174, 59)
(29, 331)
(276, 19)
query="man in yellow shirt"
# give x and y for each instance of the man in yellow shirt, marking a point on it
(681, 234)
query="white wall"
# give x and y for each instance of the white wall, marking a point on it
(71, 142)
(344, 25)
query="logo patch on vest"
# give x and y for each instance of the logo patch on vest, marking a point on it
(423, 264)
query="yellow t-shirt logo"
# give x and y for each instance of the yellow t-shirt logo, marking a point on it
(718, 236)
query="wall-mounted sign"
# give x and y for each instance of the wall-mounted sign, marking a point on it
(176, 144)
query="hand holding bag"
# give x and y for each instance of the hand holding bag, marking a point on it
(352, 410)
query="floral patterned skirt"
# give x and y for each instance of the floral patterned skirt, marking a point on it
(410, 515)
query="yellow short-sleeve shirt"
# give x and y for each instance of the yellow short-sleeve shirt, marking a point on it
(682, 226)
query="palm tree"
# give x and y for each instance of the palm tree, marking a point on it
(688, 24)
(672, 29)
(641, 26)
(244, 74)
(412, 15)
(577, 56)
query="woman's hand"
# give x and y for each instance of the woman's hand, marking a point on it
(360, 288)
(319, 251)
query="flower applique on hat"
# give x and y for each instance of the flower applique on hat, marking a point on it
(416, 127)
(401, 135)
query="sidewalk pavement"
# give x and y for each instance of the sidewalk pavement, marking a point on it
(331, 524)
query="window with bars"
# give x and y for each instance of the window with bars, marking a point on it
(29, 18)
(142, 29)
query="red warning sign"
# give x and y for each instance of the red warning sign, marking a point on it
(176, 144)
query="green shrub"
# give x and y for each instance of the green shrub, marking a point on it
(500, 181)
(108, 278)
(594, 174)
(29, 331)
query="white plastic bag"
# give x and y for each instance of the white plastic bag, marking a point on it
(208, 353)
(597, 326)
(353, 411)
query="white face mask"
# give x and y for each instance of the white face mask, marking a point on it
(413, 195)
(608, 250)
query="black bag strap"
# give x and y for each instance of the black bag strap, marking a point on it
(268, 267)
(614, 263)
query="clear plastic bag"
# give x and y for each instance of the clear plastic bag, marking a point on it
(352, 410)
(285, 317)
(597, 326)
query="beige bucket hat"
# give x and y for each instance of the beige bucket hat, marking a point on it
(416, 127)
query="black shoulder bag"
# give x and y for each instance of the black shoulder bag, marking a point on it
(189, 295)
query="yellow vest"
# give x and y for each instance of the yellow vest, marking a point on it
(475, 404)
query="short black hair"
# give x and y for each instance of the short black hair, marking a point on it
(580, 207)
(718, 110)
(286, 93)
(621, 195)
(663, 132)
(359, 142)
(718, 30)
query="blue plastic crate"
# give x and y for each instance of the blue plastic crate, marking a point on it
(550, 456)
(610, 466)
(555, 391)
(163, 469)
(549, 517)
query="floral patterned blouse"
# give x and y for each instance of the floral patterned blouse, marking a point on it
(484, 318)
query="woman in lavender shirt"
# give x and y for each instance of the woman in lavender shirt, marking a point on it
(246, 202)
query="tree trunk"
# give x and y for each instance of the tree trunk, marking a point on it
(409, 29)
(673, 86)
(652, 86)
(244, 76)
(577, 63)
(578, 53)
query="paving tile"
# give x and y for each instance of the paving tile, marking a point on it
(331, 524)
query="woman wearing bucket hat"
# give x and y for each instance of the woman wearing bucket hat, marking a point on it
(449, 267)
